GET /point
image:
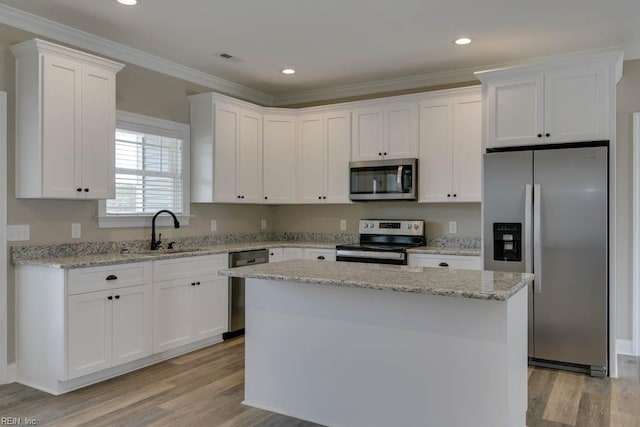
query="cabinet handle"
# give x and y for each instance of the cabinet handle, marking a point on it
(384, 154)
(86, 190)
(379, 154)
(111, 277)
(448, 195)
(319, 197)
(539, 135)
(198, 283)
(455, 195)
(117, 296)
(547, 135)
(271, 253)
(265, 197)
(324, 197)
(321, 257)
(193, 283)
(79, 190)
(443, 264)
(109, 297)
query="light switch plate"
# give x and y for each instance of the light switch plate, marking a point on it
(76, 230)
(263, 224)
(453, 227)
(18, 233)
(343, 225)
(214, 225)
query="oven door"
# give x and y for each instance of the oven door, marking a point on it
(383, 180)
(377, 257)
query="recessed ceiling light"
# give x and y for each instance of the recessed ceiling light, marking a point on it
(128, 2)
(288, 71)
(462, 41)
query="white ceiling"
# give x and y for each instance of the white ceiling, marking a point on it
(338, 43)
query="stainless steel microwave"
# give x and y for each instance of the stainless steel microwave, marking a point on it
(394, 179)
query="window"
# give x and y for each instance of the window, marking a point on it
(151, 170)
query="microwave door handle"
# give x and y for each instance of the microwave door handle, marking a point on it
(399, 180)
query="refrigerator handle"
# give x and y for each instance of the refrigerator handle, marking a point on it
(537, 240)
(528, 200)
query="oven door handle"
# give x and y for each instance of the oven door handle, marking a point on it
(370, 254)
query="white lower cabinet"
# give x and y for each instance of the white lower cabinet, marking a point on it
(292, 253)
(108, 328)
(190, 301)
(462, 262)
(276, 254)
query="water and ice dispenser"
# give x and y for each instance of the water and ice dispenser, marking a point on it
(507, 241)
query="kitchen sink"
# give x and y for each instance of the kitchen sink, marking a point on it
(159, 252)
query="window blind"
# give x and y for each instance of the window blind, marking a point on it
(148, 174)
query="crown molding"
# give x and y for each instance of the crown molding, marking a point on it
(368, 88)
(83, 40)
(632, 51)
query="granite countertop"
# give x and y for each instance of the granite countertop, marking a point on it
(111, 258)
(485, 285)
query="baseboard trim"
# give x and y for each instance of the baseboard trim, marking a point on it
(625, 347)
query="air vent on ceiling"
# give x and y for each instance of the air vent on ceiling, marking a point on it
(227, 57)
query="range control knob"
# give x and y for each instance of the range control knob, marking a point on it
(416, 226)
(365, 225)
(370, 225)
(409, 226)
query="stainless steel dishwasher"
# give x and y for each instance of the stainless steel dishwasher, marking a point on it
(236, 288)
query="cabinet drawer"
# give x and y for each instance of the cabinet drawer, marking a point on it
(92, 279)
(320, 254)
(169, 269)
(452, 261)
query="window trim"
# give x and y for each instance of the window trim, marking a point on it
(141, 123)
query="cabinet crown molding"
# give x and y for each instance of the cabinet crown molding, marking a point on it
(38, 46)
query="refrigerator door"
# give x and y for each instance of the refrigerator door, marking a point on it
(570, 290)
(507, 177)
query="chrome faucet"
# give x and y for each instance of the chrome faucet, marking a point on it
(156, 244)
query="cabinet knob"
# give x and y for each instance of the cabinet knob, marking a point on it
(443, 264)
(78, 190)
(238, 196)
(112, 277)
(117, 296)
(320, 197)
(539, 135)
(324, 197)
(384, 154)
(448, 195)
(109, 297)
(265, 197)
(86, 190)
(547, 135)
(242, 197)
(455, 195)
(271, 253)
(379, 154)
(193, 283)
(321, 257)
(198, 283)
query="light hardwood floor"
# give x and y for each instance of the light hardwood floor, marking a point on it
(206, 387)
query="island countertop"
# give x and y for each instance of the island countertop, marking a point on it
(486, 285)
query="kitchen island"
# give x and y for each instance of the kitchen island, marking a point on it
(350, 344)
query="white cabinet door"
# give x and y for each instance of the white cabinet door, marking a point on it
(89, 332)
(575, 104)
(368, 133)
(172, 314)
(311, 159)
(276, 254)
(436, 150)
(515, 111)
(338, 147)
(401, 130)
(320, 254)
(61, 127)
(279, 158)
(132, 323)
(467, 148)
(210, 307)
(226, 136)
(98, 130)
(249, 152)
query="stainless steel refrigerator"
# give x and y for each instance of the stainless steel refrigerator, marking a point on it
(545, 211)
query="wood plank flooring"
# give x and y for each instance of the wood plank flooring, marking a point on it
(206, 387)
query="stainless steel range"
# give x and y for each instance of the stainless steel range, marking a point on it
(383, 241)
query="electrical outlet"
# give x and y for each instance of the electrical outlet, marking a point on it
(214, 225)
(453, 227)
(76, 230)
(343, 225)
(263, 224)
(18, 233)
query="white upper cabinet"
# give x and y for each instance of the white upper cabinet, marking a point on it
(557, 102)
(279, 158)
(226, 152)
(323, 157)
(65, 122)
(451, 147)
(385, 131)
